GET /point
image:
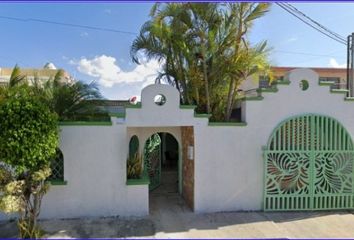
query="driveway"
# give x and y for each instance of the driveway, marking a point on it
(170, 218)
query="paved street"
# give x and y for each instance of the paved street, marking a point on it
(170, 218)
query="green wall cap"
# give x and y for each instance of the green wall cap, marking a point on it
(267, 90)
(187, 106)
(202, 115)
(285, 82)
(138, 105)
(142, 181)
(326, 83)
(339, 91)
(220, 124)
(256, 98)
(85, 123)
(117, 115)
(349, 99)
(58, 182)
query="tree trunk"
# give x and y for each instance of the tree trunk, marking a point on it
(206, 80)
(183, 79)
(231, 93)
(230, 97)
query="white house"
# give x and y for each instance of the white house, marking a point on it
(293, 150)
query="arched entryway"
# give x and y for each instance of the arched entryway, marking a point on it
(309, 165)
(161, 161)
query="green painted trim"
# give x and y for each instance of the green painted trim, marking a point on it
(258, 98)
(138, 105)
(142, 181)
(221, 124)
(202, 115)
(187, 106)
(85, 123)
(339, 91)
(262, 90)
(325, 83)
(117, 115)
(349, 99)
(287, 82)
(58, 182)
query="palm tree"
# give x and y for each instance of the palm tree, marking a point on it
(242, 15)
(71, 101)
(16, 77)
(204, 49)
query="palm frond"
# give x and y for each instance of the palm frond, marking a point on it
(16, 77)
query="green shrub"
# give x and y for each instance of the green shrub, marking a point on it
(28, 141)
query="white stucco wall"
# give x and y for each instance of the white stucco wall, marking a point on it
(229, 162)
(95, 169)
(228, 159)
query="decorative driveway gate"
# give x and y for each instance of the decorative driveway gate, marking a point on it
(309, 165)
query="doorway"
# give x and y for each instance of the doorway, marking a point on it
(161, 160)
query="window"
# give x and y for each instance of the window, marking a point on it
(264, 82)
(57, 166)
(133, 146)
(134, 161)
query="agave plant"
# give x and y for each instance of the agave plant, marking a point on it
(134, 166)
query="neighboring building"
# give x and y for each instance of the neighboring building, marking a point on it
(336, 75)
(252, 86)
(113, 107)
(43, 74)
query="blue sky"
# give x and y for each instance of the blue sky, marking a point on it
(104, 56)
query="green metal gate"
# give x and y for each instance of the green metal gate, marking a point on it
(309, 165)
(152, 160)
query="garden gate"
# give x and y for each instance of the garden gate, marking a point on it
(152, 160)
(309, 165)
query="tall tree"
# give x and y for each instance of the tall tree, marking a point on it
(204, 50)
(243, 15)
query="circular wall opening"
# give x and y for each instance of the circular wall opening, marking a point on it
(304, 85)
(159, 99)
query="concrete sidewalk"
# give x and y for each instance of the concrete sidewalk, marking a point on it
(170, 218)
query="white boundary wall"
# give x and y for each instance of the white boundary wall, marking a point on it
(228, 159)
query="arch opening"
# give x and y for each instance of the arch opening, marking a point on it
(134, 162)
(57, 166)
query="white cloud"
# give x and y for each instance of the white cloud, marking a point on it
(84, 34)
(108, 72)
(333, 63)
(292, 39)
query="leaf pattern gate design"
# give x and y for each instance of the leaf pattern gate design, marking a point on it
(152, 160)
(309, 165)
